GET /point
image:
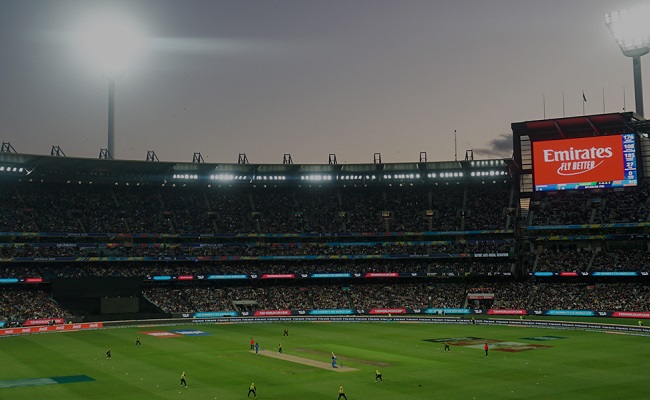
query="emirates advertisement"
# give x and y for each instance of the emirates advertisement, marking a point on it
(585, 163)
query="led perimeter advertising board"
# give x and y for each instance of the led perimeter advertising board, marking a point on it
(585, 163)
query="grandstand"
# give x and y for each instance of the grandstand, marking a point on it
(98, 240)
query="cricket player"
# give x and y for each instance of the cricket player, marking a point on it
(252, 389)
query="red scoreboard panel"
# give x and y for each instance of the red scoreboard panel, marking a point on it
(585, 163)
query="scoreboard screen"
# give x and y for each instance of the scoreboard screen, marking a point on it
(585, 163)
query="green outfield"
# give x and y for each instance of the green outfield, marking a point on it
(523, 363)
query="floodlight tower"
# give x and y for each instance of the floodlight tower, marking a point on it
(111, 42)
(631, 30)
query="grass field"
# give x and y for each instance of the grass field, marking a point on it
(219, 365)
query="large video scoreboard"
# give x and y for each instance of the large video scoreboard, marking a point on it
(585, 163)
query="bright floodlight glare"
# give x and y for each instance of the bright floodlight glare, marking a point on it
(631, 29)
(111, 42)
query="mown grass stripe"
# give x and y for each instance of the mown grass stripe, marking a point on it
(44, 381)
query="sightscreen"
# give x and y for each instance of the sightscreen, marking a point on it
(119, 305)
(585, 163)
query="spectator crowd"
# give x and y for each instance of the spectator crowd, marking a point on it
(260, 230)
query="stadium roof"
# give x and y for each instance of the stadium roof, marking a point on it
(581, 126)
(61, 168)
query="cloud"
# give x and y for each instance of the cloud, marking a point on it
(499, 147)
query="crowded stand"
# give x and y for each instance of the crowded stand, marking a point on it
(615, 297)
(480, 214)
(330, 297)
(189, 299)
(511, 295)
(622, 206)
(287, 297)
(557, 296)
(596, 296)
(621, 260)
(582, 260)
(327, 296)
(49, 270)
(12, 250)
(20, 305)
(42, 207)
(201, 248)
(16, 306)
(561, 208)
(369, 296)
(564, 259)
(444, 295)
(407, 207)
(409, 295)
(628, 205)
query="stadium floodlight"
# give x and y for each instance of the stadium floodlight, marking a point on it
(631, 31)
(110, 42)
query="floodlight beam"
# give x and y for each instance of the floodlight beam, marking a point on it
(111, 41)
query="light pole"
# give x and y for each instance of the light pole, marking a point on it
(631, 30)
(111, 117)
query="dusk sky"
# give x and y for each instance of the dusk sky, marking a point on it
(310, 78)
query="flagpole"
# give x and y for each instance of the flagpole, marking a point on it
(455, 147)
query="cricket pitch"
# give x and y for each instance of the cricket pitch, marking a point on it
(305, 361)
